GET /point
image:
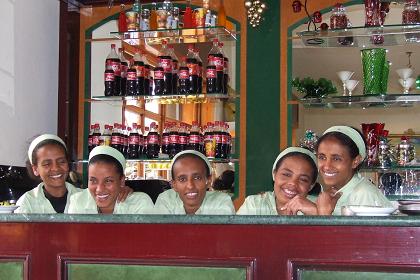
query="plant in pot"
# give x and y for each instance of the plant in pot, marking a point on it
(309, 88)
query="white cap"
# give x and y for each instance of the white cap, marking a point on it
(353, 134)
(293, 150)
(40, 139)
(191, 152)
(107, 150)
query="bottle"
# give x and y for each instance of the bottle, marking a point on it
(173, 148)
(113, 62)
(122, 20)
(194, 137)
(225, 140)
(115, 138)
(125, 135)
(192, 65)
(211, 76)
(184, 78)
(221, 15)
(148, 80)
(96, 135)
(165, 139)
(133, 143)
(165, 60)
(153, 146)
(145, 20)
(90, 138)
(188, 20)
(153, 17)
(139, 66)
(183, 137)
(131, 84)
(146, 132)
(209, 141)
(158, 80)
(174, 70)
(109, 81)
(124, 68)
(225, 69)
(217, 57)
(217, 134)
(106, 136)
(229, 141)
(199, 70)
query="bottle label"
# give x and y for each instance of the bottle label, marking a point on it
(115, 140)
(194, 139)
(184, 74)
(211, 73)
(116, 66)
(133, 140)
(124, 69)
(218, 62)
(218, 138)
(139, 71)
(109, 77)
(173, 139)
(131, 76)
(183, 140)
(165, 140)
(225, 139)
(152, 139)
(159, 74)
(192, 68)
(95, 140)
(166, 64)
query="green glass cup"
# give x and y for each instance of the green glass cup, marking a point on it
(385, 74)
(373, 61)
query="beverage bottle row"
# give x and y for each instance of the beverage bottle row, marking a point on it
(167, 78)
(213, 139)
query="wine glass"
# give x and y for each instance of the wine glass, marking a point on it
(350, 85)
(404, 73)
(344, 76)
(406, 84)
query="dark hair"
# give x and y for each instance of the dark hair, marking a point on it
(108, 159)
(191, 156)
(35, 159)
(303, 156)
(225, 181)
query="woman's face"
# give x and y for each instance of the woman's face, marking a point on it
(293, 177)
(104, 185)
(336, 167)
(51, 166)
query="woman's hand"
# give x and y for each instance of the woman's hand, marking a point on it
(124, 193)
(326, 202)
(299, 203)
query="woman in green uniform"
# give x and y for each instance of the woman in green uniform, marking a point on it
(340, 152)
(294, 174)
(191, 177)
(106, 180)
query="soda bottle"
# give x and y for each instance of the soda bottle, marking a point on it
(209, 141)
(184, 77)
(225, 69)
(174, 70)
(183, 137)
(153, 17)
(125, 135)
(142, 149)
(153, 146)
(217, 134)
(225, 141)
(221, 15)
(173, 148)
(90, 138)
(139, 66)
(106, 136)
(158, 80)
(194, 137)
(131, 84)
(96, 135)
(133, 143)
(124, 68)
(211, 76)
(229, 141)
(192, 65)
(199, 70)
(113, 62)
(165, 61)
(165, 139)
(109, 81)
(146, 132)
(217, 57)
(201, 131)
(115, 138)
(148, 80)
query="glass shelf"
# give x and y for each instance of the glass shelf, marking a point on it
(389, 169)
(361, 101)
(173, 36)
(169, 99)
(361, 36)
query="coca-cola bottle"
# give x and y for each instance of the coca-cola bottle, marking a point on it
(183, 137)
(131, 84)
(199, 70)
(116, 137)
(159, 80)
(125, 135)
(173, 148)
(211, 77)
(113, 62)
(225, 69)
(105, 139)
(165, 139)
(96, 135)
(109, 82)
(153, 145)
(229, 143)
(133, 143)
(209, 141)
(184, 77)
(124, 68)
(148, 80)
(217, 57)
(146, 132)
(165, 61)
(217, 134)
(174, 70)
(192, 65)
(225, 140)
(194, 137)
(92, 126)
(139, 66)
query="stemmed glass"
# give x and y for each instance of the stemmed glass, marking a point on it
(344, 76)
(350, 85)
(406, 84)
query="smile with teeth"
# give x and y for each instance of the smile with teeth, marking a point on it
(191, 195)
(56, 176)
(329, 174)
(290, 193)
(102, 196)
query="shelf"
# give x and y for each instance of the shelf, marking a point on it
(168, 99)
(361, 101)
(390, 169)
(173, 36)
(392, 35)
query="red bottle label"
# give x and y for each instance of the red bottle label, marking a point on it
(139, 71)
(173, 139)
(211, 73)
(165, 140)
(225, 139)
(183, 74)
(218, 138)
(159, 74)
(192, 68)
(218, 61)
(166, 64)
(131, 76)
(133, 140)
(152, 139)
(116, 66)
(95, 140)
(183, 140)
(109, 77)
(194, 139)
(124, 69)
(115, 140)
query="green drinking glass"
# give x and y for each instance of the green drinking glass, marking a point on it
(373, 61)
(385, 74)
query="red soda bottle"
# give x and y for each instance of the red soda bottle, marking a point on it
(153, 145)
(225, 69)
(96, 135)
(165, 139)
(173, 141)
(113, 62)
(184, 78)
(124, 68)
(165, 61)
(131, 84)
(199, 70)
(139, 66)
(194, 137)
(133, 143)
(192, 65)
(217, 57)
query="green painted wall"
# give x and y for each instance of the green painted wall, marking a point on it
(350, 275)
(11, 270)
(263, 99)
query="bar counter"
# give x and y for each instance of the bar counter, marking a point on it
(208, 247)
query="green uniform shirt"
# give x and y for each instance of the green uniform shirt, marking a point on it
(136, 203)
(35, 202)
(214, 203)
